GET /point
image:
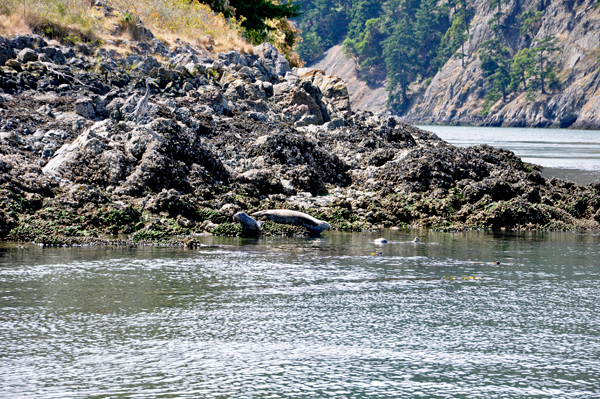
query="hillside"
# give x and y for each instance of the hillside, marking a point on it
(517, 83)
(363, 96)
(456, 94)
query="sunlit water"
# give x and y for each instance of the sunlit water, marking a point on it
(567, 154)
(329, 317)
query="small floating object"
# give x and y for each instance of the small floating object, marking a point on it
(377, 253)
(463, 278)
(381, 241)
(496, 263)
(416, 239)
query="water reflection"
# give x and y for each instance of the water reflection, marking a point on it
(314, 317)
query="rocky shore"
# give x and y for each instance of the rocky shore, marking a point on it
(234, 132)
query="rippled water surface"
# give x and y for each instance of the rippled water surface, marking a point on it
(564, 153)
(335, 316)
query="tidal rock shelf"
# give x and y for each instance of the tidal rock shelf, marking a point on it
(233, 132)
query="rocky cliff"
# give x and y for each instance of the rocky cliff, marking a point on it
(233, 132)
(455, 95)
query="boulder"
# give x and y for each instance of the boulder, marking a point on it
(85, 107)
(273, 61)
(20, 42)
(289, 97)
(333, 89)
(6, 51)
(86, 145)
(27, 55)
(14, 64)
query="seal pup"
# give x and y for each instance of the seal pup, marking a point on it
(295, 218)
(416, 240)
(381, 241)
(250, 227)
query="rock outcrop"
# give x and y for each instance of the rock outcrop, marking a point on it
(233, 133)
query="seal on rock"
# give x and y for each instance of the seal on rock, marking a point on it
(250, 227)
(295, 218)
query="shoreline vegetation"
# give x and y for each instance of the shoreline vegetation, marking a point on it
(227, 132)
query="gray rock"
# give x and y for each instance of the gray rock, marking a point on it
(20, 42)
(275, 62)
(49, 51)
(68, 52)
(85, 107)
(140, 32)
(6, 51)
(142, 68)
(76, 63)
(82, 48)
(159, 48)
(152, 62)
(46, 110)
(44, 58)
(59, 57)
(14, 64)
(27, 55)
(164, 74)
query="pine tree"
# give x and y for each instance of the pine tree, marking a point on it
(495, 63)
(543, 69)
(255, 12)
(521, 69)
(399, 53)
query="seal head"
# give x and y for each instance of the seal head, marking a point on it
(250, 227)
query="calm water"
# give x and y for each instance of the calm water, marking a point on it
(306, 318)
(567, 154)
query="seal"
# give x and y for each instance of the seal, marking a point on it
(250, 227)
(295, 218)
(381, 241)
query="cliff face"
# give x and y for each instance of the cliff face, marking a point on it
(456, 94)
(363, 96)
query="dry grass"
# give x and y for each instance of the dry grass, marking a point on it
(167, 19)
(78, 20)
(55, 19)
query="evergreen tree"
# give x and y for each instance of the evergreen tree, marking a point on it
(455, 36)
(361, 12)
(543, 69)
(255, 12)
(495, 63)
(324, 23)
(530, 19)
(399, 53)
(521, 69)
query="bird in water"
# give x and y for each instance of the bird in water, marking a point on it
(416, 239)
(142, 106)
